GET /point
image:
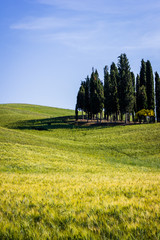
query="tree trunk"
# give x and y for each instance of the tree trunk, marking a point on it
(121, 116)
(76, 115)
(82, 115)
(125, 118)
(116, 116)
(133, 116)
(129, 117)
(100, 117)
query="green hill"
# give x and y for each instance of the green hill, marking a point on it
(61, 181)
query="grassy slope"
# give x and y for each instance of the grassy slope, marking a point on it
(66, 182)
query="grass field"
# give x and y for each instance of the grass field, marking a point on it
(61, 181)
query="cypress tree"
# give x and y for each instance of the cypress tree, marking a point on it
(100, 94)
(157, 93)
(81, 98)
(142, 89)
(87, 96)
(149, 86)
(100, 90)
(143, 79)
(107, 102)
(133, 82)
(114, 108)
(137, 93)
(142, 98)
(96, 93)
(126, 98)
(115, 69)
(133, 94)
(92, 92)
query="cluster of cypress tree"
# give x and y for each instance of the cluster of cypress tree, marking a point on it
(145, 98)
(90, 96)
(120, 93)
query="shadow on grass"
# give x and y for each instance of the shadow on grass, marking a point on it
(65, 122)
(45, 124)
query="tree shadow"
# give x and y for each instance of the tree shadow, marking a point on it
(64, 122)
(44, 124)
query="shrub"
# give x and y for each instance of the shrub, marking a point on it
(145, 115)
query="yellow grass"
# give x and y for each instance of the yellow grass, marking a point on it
(77, 183)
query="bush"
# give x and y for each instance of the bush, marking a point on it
(145, 115)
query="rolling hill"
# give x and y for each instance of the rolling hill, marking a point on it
(62, 181)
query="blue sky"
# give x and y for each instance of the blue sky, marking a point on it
(47, 47)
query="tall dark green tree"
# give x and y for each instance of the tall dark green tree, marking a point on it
(142, 98)
(126, 98)
(143, 79)
(107, 100)
(150, 86)
(115, 69)
(93, 86)
(96, 93)
(138, 108)
(87, 96)
(133, 94)
(100, 91)
(157, 93)
(114, 107)
(81, 98)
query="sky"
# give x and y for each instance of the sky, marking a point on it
(47, 47)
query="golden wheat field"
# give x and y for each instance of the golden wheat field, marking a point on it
(61, 181)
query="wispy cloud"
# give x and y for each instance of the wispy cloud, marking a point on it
(93, 31)
(68, 38)
(76, 32)
(85, 5)
(127, 7)
(41, 23)
(70, 4)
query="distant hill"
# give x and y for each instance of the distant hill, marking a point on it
(11, 113)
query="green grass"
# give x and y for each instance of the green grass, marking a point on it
(61, 181)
